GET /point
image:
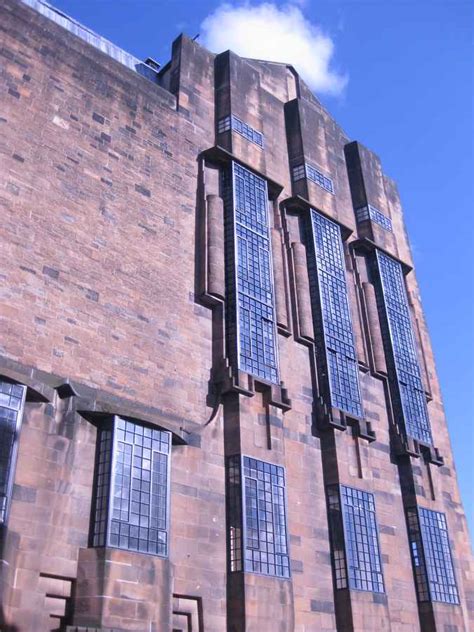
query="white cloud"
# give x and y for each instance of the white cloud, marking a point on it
(282, 34)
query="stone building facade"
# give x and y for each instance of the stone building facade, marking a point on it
(219, 407)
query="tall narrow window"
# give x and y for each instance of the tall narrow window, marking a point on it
(250, 310)
(12, 398)
(354, 539)
(404, 371)
(131, 509)
(256, 517)
(431, 556)
(337, 360)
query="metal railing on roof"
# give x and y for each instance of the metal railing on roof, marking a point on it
(97, 41)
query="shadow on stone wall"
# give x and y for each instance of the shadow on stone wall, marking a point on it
(4, 626)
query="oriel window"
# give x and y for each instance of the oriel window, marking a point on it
(131, 503)
(12, 399)
(354, 539)
(431, 556)
(256, 517)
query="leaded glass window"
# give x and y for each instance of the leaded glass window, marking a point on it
(232, 122)
(354, 539)
(251, 326)
(431, 556)
(256, 517)
(336, 354)
(404, 371)
(224, 124)
(131, 508)
(336, 528)
(313, 174)
(299, 172)
(371, 212)
(12, 397)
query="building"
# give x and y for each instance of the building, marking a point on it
(219, 406)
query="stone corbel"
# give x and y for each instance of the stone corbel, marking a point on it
(227, 380)
(411, 447)
(328, 417)
(362, 428)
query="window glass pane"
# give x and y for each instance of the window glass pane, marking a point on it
(234, 123)
(263, 520)
(313, 174)
(102, 487)
(11, 403)
(336, 530)
(370, 212)
(251, 326)
(132, 488)
(354, 539)
(431, 556)
(319, 178)
(337, 361)
(234, 512)
(404, 371)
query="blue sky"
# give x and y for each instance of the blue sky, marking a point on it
(409, 98)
